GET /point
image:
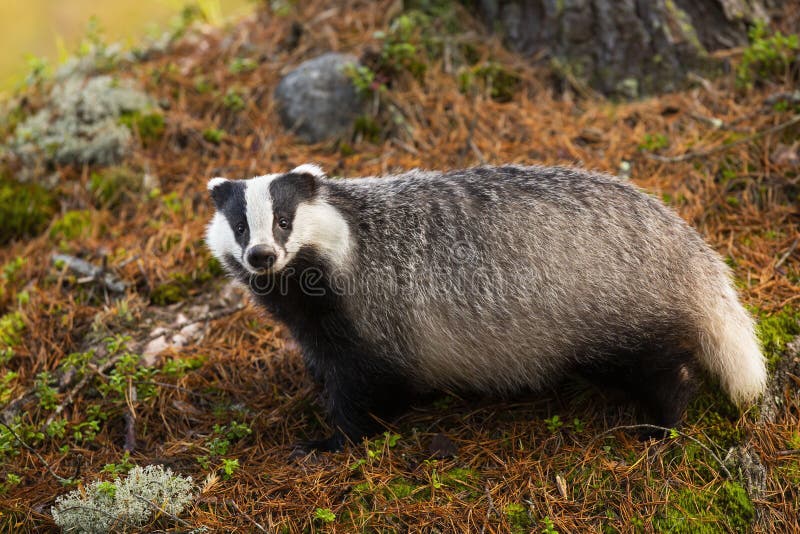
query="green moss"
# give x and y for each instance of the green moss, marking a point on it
(722, 508)
(463, 480)
(518, 518)
(213, 135)
(72, 225)
(654, 142)
(149, 125)
(500, 82)
(368, 128)
(25, 209)
(111, 187)
(775, 331)
(11, 327)
(399, 488)
(717, 415)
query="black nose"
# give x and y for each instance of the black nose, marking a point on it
(260, 257)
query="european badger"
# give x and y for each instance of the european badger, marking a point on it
(490, 280)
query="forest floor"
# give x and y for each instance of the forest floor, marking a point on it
(84, 376)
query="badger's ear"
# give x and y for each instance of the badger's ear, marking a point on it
(309, 168)
(220, 189)
(305, 179)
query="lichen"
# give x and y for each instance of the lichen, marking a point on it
(130, 502)
(80, 124)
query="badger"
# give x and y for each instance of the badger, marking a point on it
(490, 281)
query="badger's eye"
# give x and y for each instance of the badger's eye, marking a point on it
(283, 223)
(240, 228)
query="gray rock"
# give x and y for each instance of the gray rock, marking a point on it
(317, 100)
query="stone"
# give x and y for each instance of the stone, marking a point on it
(317, 101)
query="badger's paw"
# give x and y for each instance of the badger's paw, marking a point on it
(301, 449)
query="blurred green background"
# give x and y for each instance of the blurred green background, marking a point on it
(53, 29)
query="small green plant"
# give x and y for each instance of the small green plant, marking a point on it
(229, 467)
(767, 57)
(577, 425)
(213, 135)
(242, 64)
(376, 447)
(549, 527)
(325, 515)
(233, 100)
(654, 142)
(11, 481)
(554, 424)
(48, 395)
(120, 468)
(74, 224)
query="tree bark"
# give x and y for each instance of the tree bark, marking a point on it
(624, 47)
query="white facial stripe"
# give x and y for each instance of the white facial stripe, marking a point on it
(309, 168)
(220, 238)
(259, 210)
(320, 225)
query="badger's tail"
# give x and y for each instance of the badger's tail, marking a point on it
(729, 348)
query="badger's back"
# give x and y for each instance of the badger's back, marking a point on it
(502, 278)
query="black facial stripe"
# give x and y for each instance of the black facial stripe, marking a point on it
(287, 192)
(234, 208)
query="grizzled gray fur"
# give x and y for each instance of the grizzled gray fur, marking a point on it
(493, 280)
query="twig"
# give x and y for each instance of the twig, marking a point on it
(159, 509)
(36, 453)
(238, 510)
(91, 272)
(70, 398)
(789, 452)
(721, 148)
(788, 253)
(668, 430)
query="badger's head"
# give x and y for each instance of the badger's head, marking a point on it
(262, 223)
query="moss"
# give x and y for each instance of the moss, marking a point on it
(25, 209)
(168, 293)
(463, 480)
(72, 225)
(368, 128)
(723, 508)
(213, 135)
(518, 518)
(717, 415)
(111, 187)
(500, 82)
(399, 488)
(150, 126)
(11, 327)
(775, 331)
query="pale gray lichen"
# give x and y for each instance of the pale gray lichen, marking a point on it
(124, 504)
(80, 124)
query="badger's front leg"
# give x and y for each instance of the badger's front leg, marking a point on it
(356, 402)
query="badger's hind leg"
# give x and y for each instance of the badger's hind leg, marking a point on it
(661, 378)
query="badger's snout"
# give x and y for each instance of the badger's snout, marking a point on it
(260, 257)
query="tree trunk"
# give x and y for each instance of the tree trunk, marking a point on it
(624, 47)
